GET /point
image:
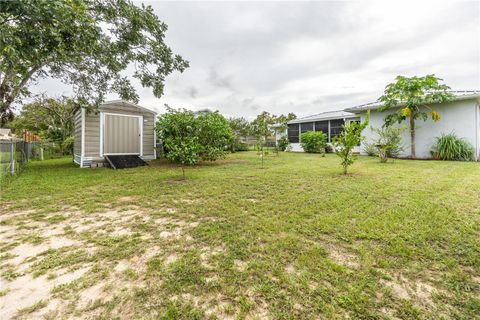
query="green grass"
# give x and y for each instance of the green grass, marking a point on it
(293, 240)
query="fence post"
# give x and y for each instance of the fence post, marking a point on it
(12, 159)
(41, 153)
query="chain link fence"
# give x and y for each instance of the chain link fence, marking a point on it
(14, 154)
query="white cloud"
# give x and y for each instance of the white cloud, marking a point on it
(309, 57)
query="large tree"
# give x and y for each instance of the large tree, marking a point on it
(88, 44)
(261, 124)
(415, 95)
(241, 129)
(240, 126)
(52, 119)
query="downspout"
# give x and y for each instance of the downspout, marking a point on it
(477, 123)
(82, 153)
(154, 138)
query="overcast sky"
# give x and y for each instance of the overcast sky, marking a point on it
(309, 57)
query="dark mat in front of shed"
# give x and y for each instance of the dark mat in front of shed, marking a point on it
(125, 161)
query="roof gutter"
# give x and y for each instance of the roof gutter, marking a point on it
(377, 105)
(322, 119)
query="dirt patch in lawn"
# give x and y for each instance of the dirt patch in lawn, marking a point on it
(128, 199)
(25, 291)
(343, 257)
(104, 268)
(417, 291)
(32, 241)
(27, 251)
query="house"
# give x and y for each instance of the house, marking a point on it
(6, 134)
(329, 122)
(461, 116)
(116, 128)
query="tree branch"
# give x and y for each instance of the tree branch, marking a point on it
(10, 98)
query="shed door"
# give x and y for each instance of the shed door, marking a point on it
(121, 134)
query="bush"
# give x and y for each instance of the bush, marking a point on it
(241, 146)
(314, 141)
(451, 147)
(370, 149)
(67, 145)
(389, 142)
(329, 148)
(187, 137)
(214, 135)
(283, 143)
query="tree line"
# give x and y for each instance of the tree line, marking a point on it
(207, 135)
(90, 44)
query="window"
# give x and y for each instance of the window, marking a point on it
(293, 133)
(335, 127)
(307, 126)
(322, 126)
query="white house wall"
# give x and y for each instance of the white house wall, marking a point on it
(297, 147)
(460, 117)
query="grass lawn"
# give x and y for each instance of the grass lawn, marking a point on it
(295, 240)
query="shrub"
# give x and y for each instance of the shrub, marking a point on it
(329, 148)
(241, 146)
(187, 137)
(313, 141)
(389, 142)
(347, 140)
(370, 149)
(283, 143)
(214, 135)
(451, 147)
(67, 145)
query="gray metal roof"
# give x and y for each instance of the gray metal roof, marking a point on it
(459, 95)
(328, 115)
(129, 104)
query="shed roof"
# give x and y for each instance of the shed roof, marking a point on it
(459, 95)
(328, 115)
(127, 104)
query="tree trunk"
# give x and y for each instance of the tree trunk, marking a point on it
(263, 155)
(183, 172)
(412, 136)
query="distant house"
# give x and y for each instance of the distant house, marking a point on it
(116, 128)
(5, 134)
(461, 116)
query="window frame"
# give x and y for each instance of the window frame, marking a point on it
(292, 137)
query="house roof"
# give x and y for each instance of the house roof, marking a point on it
(129, 104)
(5, 132)
(328, 115)
(459, 95)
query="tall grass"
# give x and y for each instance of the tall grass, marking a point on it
(451, 147)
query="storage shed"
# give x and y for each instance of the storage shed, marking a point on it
(116, 128)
